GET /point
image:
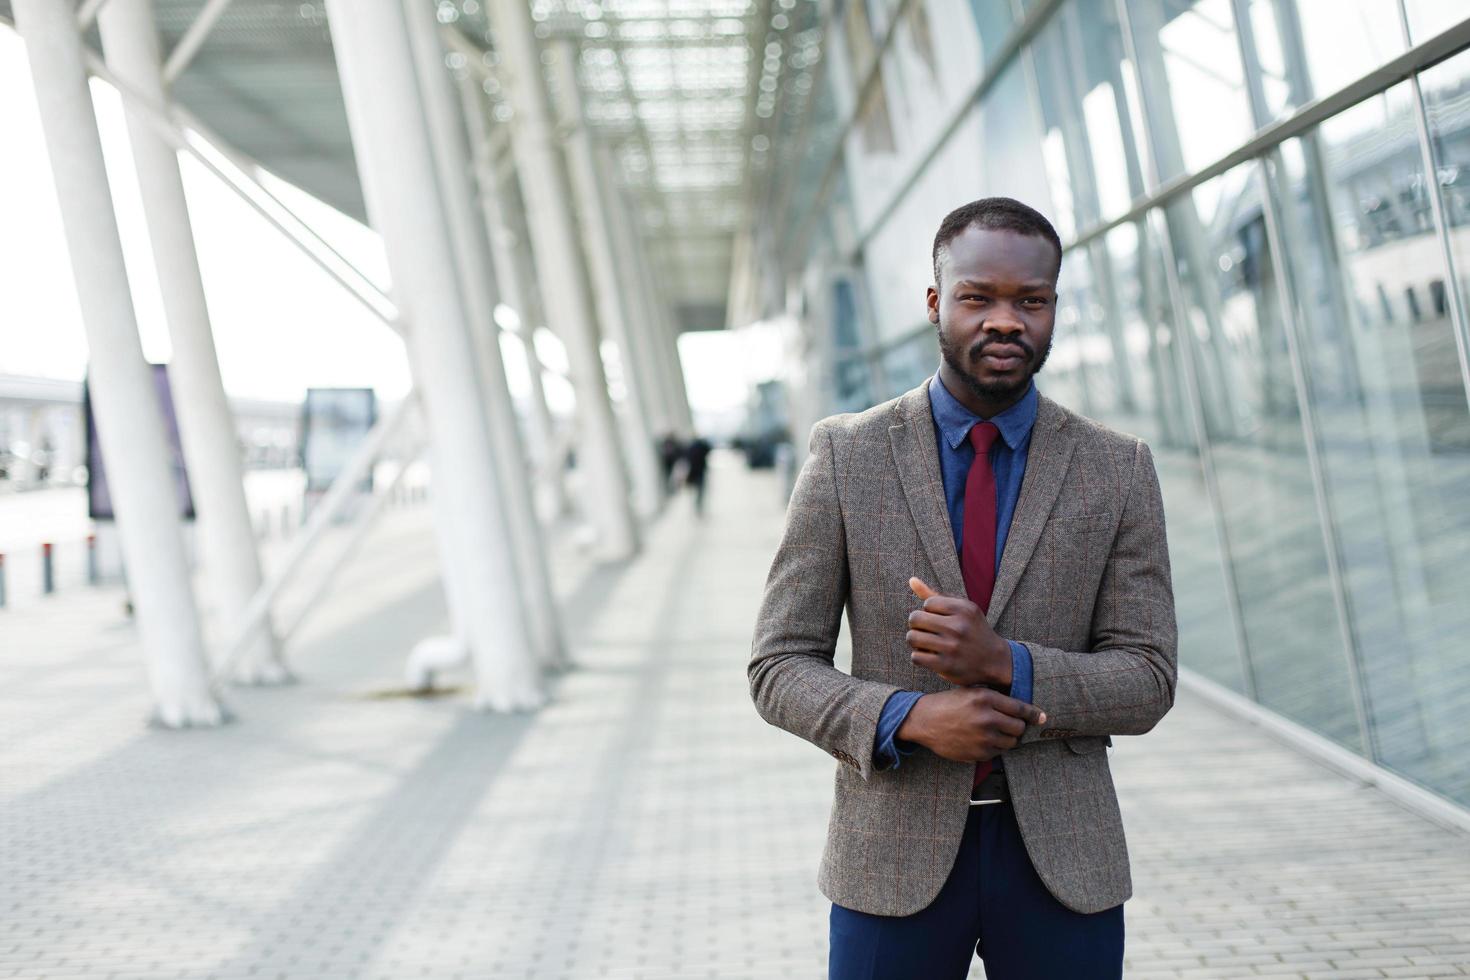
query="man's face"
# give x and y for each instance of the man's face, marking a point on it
(995, 307)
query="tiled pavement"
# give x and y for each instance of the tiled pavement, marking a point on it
(646, 824)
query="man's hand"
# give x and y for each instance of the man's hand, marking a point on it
(951, 637)
(969, 724)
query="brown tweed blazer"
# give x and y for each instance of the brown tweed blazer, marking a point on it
(1083, 582)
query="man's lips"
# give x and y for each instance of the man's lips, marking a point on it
(1002, 357)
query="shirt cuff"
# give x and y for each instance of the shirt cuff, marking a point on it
(888, 748)
(1020, 672)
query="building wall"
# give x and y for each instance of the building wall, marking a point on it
(1288, 334)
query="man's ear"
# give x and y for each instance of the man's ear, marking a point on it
(931, 300)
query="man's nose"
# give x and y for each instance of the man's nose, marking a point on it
(1004, 324)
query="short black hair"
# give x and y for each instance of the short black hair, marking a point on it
(999, 213)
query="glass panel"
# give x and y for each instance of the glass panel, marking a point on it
(1429, 17)
(1238, 348)
(852, 378)
(1136, 307)
(936, 69)
(824, 129)
(1089, 147)
(1395, 428)
(909, 362)
(925, 76)
(993, 19)
(1308, 48)
(1065, 374)
(1446, 90)
(1189, 65)
(1007, 155)
(1113, 358)
(1208, 638)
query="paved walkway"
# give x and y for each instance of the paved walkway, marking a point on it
(646, 824)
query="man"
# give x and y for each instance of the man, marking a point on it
(696, 454)
(1004, 568)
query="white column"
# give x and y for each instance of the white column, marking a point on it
(663, 337)
(642, 318)
(563, 277)
(129, 421)
(396, 164)
(231, 565)
(444, 117)
(611, 289)
(509, 275)
(517, 288)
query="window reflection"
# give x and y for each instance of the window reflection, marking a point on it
(1446, 90)
(1089, 145)
(1190, 71)
(1429, 17)
(1238, 348)
(1395, 427)
(993, 19)
(1308, 48)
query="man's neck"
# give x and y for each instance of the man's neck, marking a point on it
(985, 408)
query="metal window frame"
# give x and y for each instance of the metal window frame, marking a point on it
(1459, 317)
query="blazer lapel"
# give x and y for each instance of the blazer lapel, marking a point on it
(1052, 445)
(916, 454)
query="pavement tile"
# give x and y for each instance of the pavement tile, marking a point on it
(644, 824)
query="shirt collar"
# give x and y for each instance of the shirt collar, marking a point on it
(955, 420)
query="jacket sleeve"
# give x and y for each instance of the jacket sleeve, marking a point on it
(1125, 683)
(793, 680)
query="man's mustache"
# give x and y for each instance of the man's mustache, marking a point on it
(979, 347)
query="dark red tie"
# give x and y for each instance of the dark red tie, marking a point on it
(977, 540)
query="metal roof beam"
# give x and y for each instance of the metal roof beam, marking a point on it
(193, 39)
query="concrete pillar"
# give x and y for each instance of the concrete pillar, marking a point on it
(400, 184)
(564, 283)
(643, 324)
(129, 422)
(231, 565)
(664, 336)
(444, 117)
(661, 334)
(517, 289)
(611, 288)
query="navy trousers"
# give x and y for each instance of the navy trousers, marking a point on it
(992, 904)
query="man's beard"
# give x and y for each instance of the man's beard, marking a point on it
(997, 390)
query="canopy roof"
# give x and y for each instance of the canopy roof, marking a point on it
(693, 96)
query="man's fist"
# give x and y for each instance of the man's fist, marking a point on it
(969, 724)
(951, 637)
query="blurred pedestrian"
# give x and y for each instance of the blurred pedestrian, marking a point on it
(669, 453)
(696, 456)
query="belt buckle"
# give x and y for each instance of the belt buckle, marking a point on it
(991, 784)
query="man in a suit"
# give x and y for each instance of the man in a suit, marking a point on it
(1006, 578)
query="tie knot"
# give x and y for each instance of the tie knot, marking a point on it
(983, 436)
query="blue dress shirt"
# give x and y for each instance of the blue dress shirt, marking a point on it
(952, 424)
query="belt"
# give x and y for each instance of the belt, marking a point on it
(991, 789)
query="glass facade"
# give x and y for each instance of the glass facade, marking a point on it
(1287, 326)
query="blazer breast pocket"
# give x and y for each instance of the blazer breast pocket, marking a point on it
(1078, 540)
(1084, 744)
